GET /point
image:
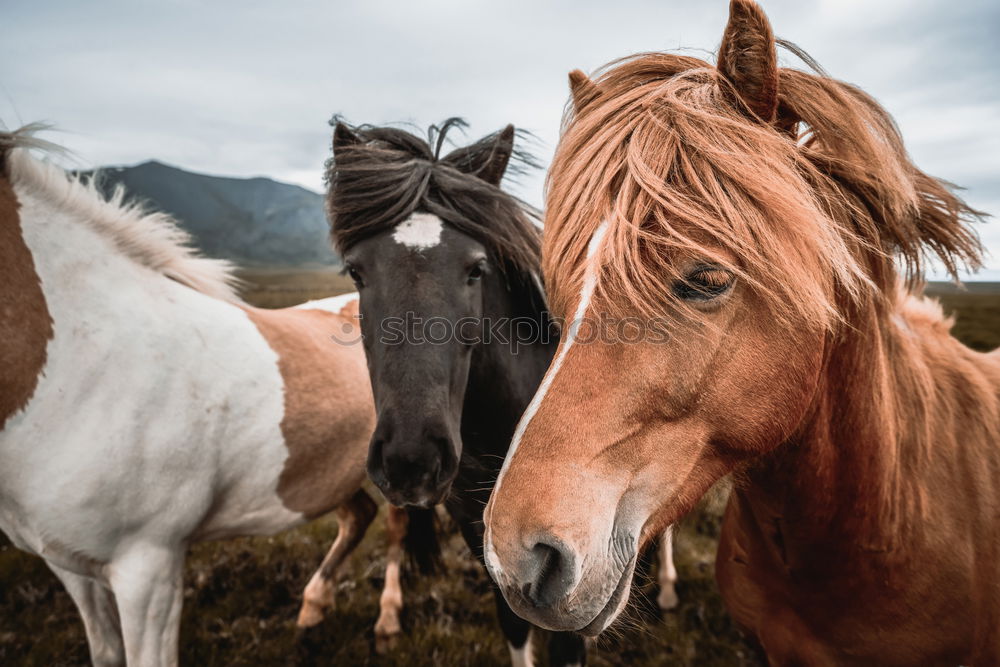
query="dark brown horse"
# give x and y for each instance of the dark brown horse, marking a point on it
(761, 228)
(455, 329)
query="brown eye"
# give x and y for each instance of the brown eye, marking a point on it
(704, 283)
(477, 271)
(355, 276)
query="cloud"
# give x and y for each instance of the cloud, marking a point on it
(245, 88)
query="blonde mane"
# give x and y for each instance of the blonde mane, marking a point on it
(816, 208)
(152, 239)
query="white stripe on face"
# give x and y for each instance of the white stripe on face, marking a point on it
(586, 294)
(419, 232)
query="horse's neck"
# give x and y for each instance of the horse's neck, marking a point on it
(95, 289)
(905, 421)
(74, 256)
(503, 376)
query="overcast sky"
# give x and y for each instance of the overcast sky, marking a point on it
(246, 88)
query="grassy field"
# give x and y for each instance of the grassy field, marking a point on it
(279, 288)
(241, 596)
(976, 309)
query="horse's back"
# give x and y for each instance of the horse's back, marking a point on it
(158, 412)
(165, 412)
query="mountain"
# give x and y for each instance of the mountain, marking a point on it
(253, 221)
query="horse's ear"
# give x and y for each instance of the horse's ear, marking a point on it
(748, 58)
(343, 136)
(582, 89)
(488, 165)
(496, 164)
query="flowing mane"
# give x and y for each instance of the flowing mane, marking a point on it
(773, 220)
(816, 207)
(391, 174)
(152, 239)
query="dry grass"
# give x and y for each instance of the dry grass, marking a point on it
(977, 312)
(279, 288)
(241, 596)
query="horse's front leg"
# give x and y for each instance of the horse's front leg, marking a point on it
(353, 519)
(516, 631)
(100, 617)
(667, 575)
(387, 627)
(147, 581)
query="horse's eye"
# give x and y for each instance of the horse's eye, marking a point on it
(704, 283)
(355, 276)
(476, 272)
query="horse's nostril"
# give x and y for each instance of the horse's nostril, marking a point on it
(433, 475)
(550, 574)
(416, 467)
(376, 463)
(445, 467)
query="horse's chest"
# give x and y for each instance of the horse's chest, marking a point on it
(831, 609)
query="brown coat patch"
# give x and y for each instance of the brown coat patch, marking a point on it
(329, 411)
(25, 323)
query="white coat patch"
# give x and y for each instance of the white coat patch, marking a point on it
(333, 304)
(419, 232)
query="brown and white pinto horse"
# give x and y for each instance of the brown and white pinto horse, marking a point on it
(765, 218)
(144, 407)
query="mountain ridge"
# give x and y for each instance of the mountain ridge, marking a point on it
(254, 221)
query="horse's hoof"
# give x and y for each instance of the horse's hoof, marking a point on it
(310, 616)
(667, 599)
(387, 631)
(386, 636)
(384, 643)
(307, 636)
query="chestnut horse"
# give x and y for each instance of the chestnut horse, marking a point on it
(755, 226)
(144, 407)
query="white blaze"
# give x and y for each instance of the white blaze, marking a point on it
(586, 294)
(419, 232)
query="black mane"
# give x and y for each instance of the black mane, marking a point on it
(390, 173)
